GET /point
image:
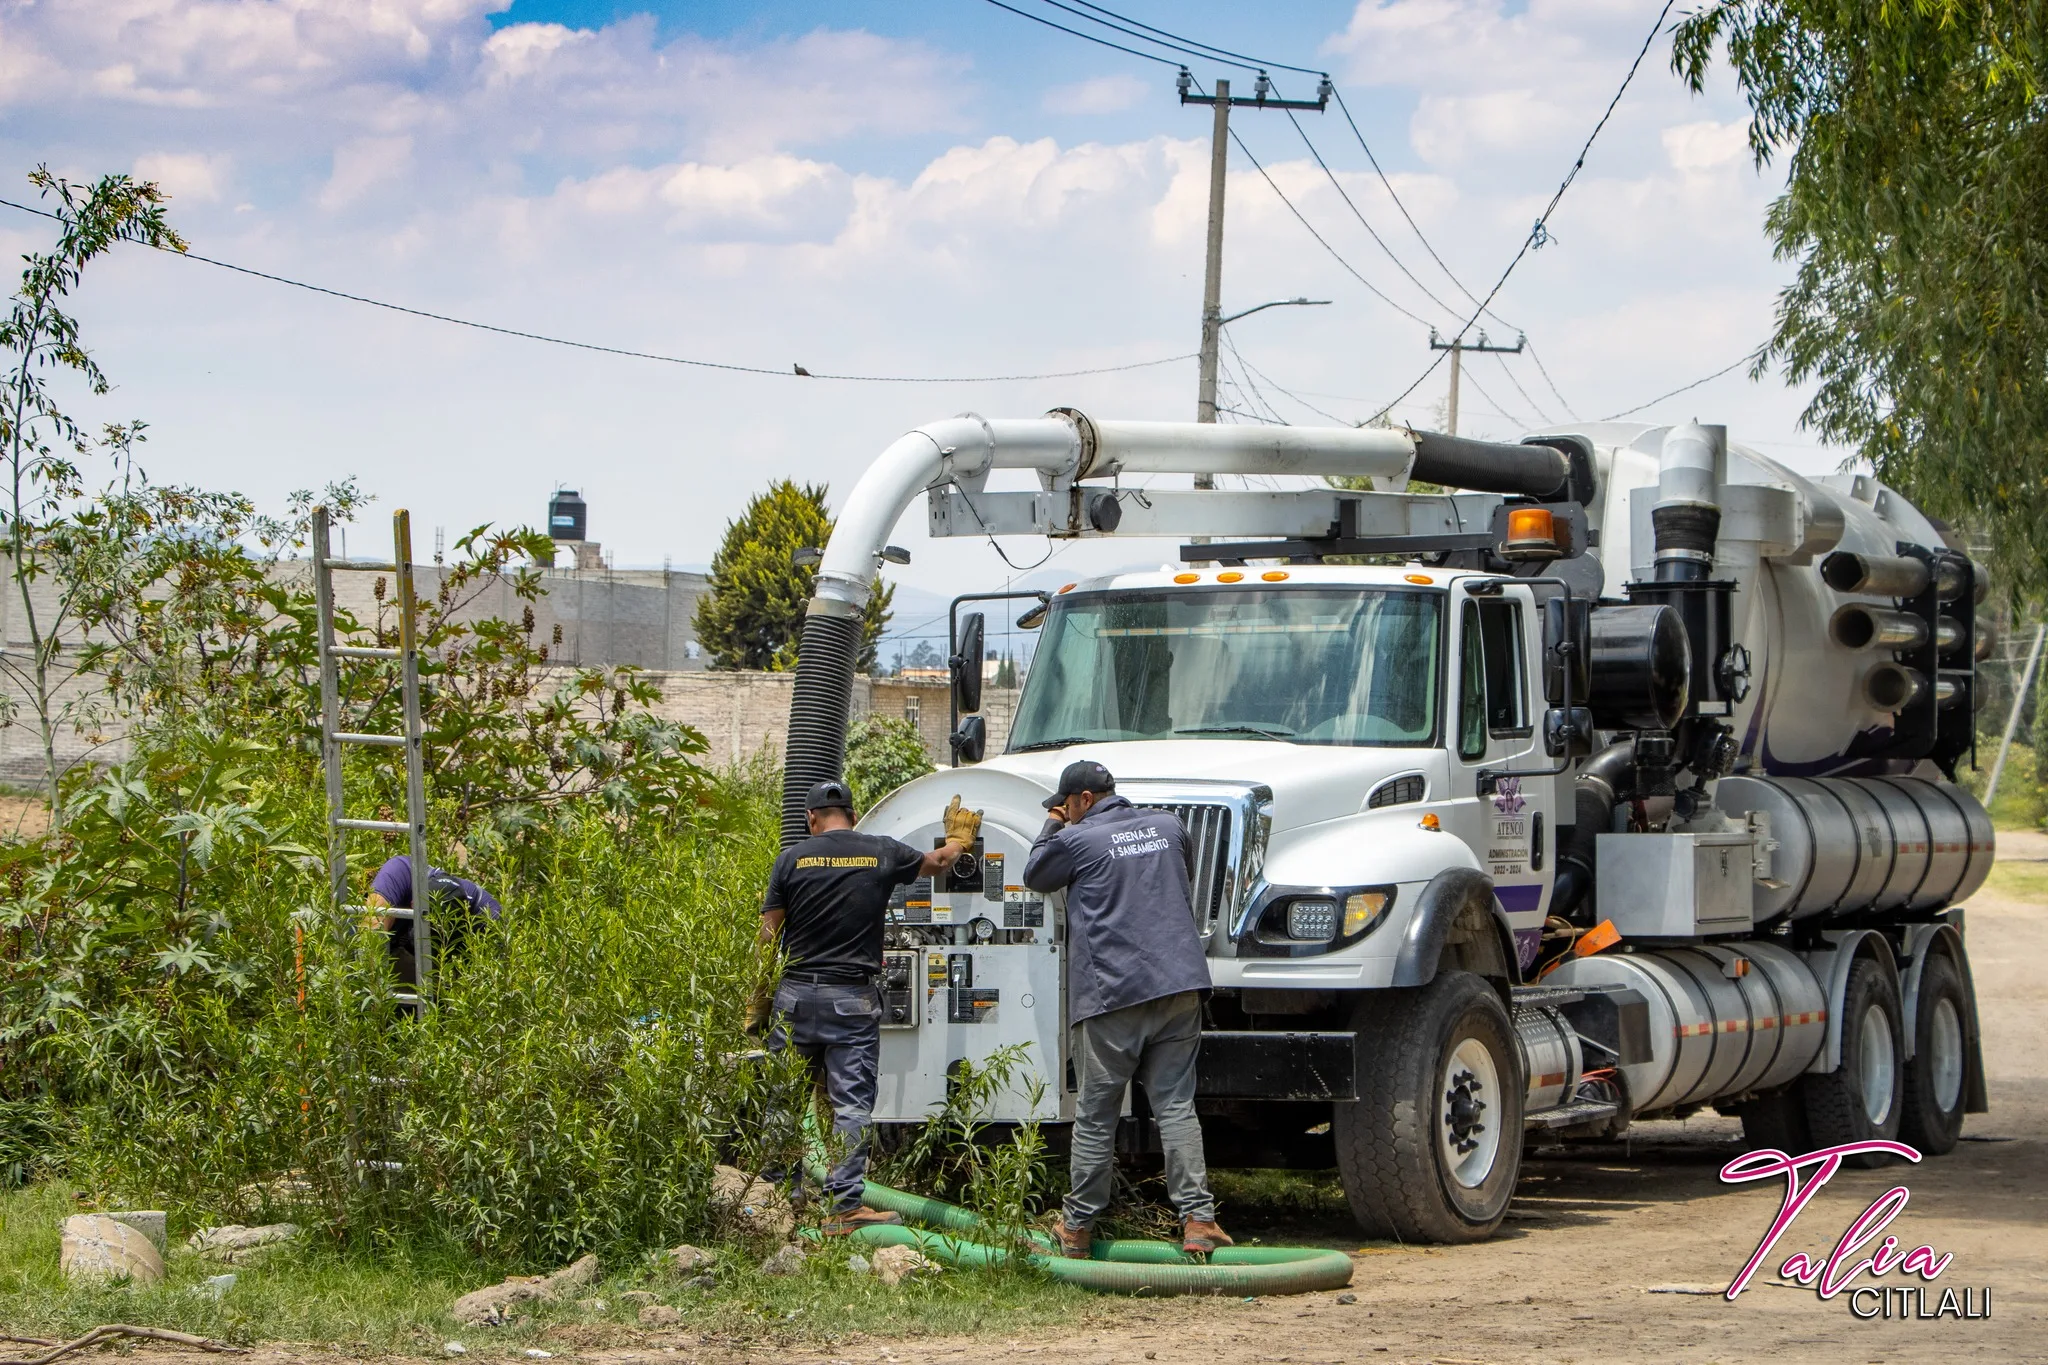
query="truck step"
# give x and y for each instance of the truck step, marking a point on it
(1570, 1115)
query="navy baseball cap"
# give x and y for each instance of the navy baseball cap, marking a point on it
(1084, 775)
(829, 795)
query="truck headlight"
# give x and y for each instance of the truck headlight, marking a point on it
(1305, 920)
(1362, 910)
(1312, 921)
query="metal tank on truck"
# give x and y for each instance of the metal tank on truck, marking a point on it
(1619, 785)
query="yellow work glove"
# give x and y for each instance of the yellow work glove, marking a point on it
(759, 1008)
(962, 825)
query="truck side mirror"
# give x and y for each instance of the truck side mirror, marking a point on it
(970, 741)
(966, 664)
(1568, 731)
(1565, 640)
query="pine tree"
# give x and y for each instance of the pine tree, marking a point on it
(754, 612)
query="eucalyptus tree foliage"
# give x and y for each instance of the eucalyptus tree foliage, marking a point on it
(1917, 151)
(43, 451)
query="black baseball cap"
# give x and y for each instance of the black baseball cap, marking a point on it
(829, 795)
(1083, 775)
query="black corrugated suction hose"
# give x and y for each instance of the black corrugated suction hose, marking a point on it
(817, 713)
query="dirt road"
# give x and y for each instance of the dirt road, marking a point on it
(1593, 1232)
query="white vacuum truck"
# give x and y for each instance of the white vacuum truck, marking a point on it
(1615, 785)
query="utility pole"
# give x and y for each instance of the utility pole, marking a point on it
(1457, 346)
(1212, 272)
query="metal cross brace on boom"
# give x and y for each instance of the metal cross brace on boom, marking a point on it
(333, 737)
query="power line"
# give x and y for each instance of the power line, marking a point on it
(1220, 51)
(1541, 415)
(1749, 359)
(1543, 370)
(1320, 240)
(1414, 226)
(794, 372)
(1362, 222)
(1255, 371)
(1086, 37)
(1538, 233)
(1133, 33)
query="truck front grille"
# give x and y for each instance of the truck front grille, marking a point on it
(1209, 834)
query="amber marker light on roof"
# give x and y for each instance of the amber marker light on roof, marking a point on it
(1421, 578)
(1274, 575)
(1232, 577)
(1187, 578)
(1530, 528)
(1068, 588)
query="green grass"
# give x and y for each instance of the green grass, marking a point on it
(2018, 881)
(397, 1302)
(2021, 802)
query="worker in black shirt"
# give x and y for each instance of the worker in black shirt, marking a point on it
(827, 899)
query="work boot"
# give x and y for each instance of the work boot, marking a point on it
(1076, 1244)
(1199, 1238)
(852, 1220)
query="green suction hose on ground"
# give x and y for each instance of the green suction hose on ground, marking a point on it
(1123, 1267)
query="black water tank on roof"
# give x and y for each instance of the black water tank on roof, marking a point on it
(567, 515)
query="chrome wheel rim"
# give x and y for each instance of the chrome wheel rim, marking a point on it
(1468, 1113)
(1945, 1060)
(1876, 1065)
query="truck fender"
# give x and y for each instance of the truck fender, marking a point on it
(1453, 896)
(1830, 966)
(1922, 942)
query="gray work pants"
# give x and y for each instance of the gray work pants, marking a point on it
(1156, 1044)
(838, 1030)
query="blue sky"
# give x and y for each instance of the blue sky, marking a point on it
(912, 189)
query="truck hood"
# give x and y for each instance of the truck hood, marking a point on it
(1311, 783)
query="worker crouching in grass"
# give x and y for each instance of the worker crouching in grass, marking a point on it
(456, 906)
(1136, 979)
(828, 897)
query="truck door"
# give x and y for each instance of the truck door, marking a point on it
(1512, 829)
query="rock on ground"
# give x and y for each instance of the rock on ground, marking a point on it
(660, 1315)
(749, 1206)
(486, 1307)
(97, 1247)
(787, 1261)
(151, 1223)
(894, 1265)
(684, 1260)
(237, 1244)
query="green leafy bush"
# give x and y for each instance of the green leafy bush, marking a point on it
(882, 753)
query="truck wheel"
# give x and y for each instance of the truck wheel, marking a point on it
(1778, 1120)
(1430, 1150)
(1864, 1098)
(1933, 1116)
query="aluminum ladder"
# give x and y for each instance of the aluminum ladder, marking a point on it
(333, 738)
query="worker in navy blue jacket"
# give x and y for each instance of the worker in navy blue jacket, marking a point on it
(1136, 977)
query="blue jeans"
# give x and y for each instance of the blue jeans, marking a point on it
(838, 1030)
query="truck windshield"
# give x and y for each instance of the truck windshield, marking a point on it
(1355, 666)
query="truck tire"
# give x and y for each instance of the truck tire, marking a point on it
(1865, 1097)
(1778, 1120)
(1932, 1119)
(1430, 1150)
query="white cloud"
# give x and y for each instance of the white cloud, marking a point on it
(362, 165)
(189, 177)
(1102, 95)
(1706, 146)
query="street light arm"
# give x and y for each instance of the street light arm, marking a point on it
(1276, 303)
